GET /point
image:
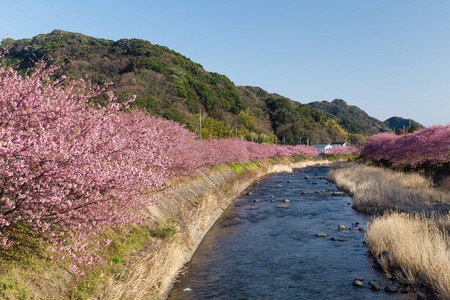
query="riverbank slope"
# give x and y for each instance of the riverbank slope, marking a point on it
(187, 217)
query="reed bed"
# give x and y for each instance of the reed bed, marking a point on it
(411, 221)
(419, 247)
(376, 189)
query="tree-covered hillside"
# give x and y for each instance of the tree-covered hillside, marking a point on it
(351, 118)
(170, 85)
(395, 123)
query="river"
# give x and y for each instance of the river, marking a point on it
(257, 250)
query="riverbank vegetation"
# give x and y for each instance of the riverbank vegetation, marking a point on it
(426, 150)
(418, 246)
(75, 176)
(376, 189)
(411, 221)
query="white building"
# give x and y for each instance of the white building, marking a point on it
(322, 148)
(343, 144)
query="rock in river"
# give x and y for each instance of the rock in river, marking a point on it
(338, 194)
(375, 285)
(282, 206)
(341, 227)
(391, 289)
(357, 282)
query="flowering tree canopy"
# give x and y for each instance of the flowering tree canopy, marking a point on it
(429, 146)
(343, 150)
(69, 167)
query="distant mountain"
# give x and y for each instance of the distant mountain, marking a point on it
(351, 118)
(395, 123)
(170, 85)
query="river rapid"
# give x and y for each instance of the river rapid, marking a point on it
(257, 250)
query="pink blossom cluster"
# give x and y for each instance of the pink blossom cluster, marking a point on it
(343, 150)
(69, 168)
(429, 146)
(223, 151)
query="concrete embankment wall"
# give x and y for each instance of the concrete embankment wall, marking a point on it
(193, 209)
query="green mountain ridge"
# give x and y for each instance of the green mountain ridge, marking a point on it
(351, 117)
(395, 123)
(170, 85)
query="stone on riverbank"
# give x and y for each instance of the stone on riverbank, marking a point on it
(386, 258)
(375, 285)
(391, 289)
(321, 234)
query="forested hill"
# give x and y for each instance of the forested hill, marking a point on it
(401, 123)
(351, 118)
(172, 86)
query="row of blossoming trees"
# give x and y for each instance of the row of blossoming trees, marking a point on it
(343, 150)
(67, 168)
(429, 147)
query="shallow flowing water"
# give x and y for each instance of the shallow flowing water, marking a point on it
(258, 251)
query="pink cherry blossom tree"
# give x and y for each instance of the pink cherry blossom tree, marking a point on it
(343, 150)
(426, 147)
(69, 168)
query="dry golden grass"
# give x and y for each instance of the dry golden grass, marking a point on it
(375, 189)
(419, 247)
(419, 239)
(148, 275)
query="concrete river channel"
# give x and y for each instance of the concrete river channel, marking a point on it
(257, 250)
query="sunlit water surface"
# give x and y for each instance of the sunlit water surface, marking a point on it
(259, 251)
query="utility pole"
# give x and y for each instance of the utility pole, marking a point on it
(200, 122)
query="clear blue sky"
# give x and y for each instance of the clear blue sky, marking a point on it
(389, 57)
